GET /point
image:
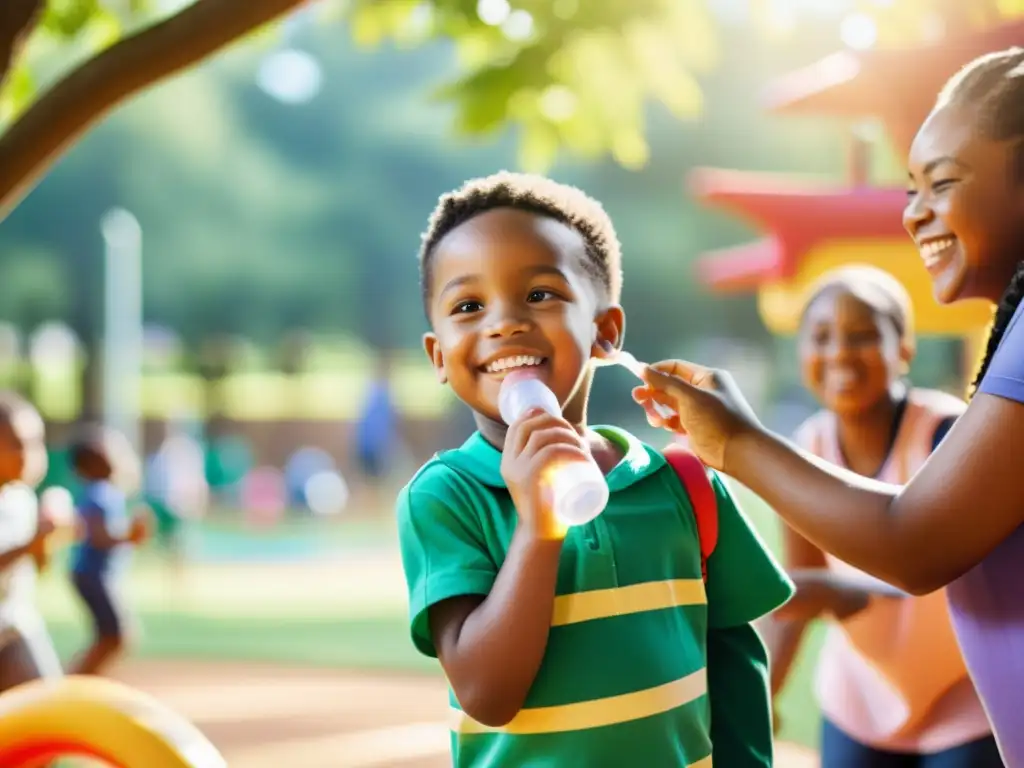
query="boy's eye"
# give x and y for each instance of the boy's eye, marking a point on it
(941, 184)
(465, 307)
(539, 295)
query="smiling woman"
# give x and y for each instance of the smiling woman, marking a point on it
(959, 521)
(966, 164)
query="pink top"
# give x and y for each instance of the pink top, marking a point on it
(892, 676)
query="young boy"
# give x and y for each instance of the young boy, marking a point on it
(596, 645)
(106, 464)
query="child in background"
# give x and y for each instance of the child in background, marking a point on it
(892, 684)
(598, 645)
(106, 464)
(26, 652)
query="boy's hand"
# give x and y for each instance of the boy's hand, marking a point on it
(533, 444)
(44, 527)
(140, 530)
(38, 548)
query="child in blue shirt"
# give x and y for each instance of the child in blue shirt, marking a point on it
(104, 462)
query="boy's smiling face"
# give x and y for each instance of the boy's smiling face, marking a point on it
(509, 289)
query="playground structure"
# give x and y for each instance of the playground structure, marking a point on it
(813, 228)
(98, 719)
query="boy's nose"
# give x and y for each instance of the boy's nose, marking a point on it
(507, 321)
(508, 326)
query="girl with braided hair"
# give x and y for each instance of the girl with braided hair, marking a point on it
(959, 521)
(890, 680)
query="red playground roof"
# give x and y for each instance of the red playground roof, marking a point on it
(897, 85)
(885, 82)
(797, 215)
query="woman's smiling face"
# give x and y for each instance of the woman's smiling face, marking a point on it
(965, 207)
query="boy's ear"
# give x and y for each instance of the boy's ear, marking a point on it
(433, 349)
(609, 332)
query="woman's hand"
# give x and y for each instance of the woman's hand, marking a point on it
(709, 408)
(822, 592)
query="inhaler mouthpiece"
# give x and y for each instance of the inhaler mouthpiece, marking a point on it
(578, 488)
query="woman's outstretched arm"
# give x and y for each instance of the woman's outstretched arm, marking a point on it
(965, 500)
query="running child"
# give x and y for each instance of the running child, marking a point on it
(596, 645)
(26, 651)
(106, 464)
(891, 681)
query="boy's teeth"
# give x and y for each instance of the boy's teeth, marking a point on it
(508, 363)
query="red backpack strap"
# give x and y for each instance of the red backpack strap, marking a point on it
(694, 477)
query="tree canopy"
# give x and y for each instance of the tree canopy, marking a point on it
(568, 72)
(571, 74)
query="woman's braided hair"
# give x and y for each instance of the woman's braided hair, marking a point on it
(993, 84)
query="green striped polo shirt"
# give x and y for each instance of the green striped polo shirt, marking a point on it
(623, 680)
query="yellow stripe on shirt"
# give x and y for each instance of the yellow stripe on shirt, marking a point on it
(595, 713)
(620, 601)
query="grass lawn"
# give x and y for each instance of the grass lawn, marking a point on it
(243, 601)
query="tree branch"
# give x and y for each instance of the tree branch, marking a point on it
(89, 92)
(17, 19)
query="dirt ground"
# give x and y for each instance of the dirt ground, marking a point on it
(263, 716)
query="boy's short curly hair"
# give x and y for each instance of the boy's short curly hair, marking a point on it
(535, 194)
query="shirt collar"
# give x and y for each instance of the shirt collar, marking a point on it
(481, 460)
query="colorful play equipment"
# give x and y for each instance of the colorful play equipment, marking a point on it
(812, 228)
(98, 719)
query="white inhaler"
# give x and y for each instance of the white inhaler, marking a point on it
(578, 488)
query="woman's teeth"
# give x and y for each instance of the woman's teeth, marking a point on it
(841, 379)
(932, 251)
(511, 363)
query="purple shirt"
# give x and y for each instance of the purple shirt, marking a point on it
(987, 602)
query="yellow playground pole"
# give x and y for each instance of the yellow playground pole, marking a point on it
(100, 719)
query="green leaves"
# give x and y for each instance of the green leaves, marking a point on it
(67, 32)
(568, 74)
(17, 93)
(406, 21)
(67, 18)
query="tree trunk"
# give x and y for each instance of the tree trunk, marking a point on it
(86, 94)
(17, 19)
(74, 104)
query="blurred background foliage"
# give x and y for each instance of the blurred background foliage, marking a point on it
(294, 201)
